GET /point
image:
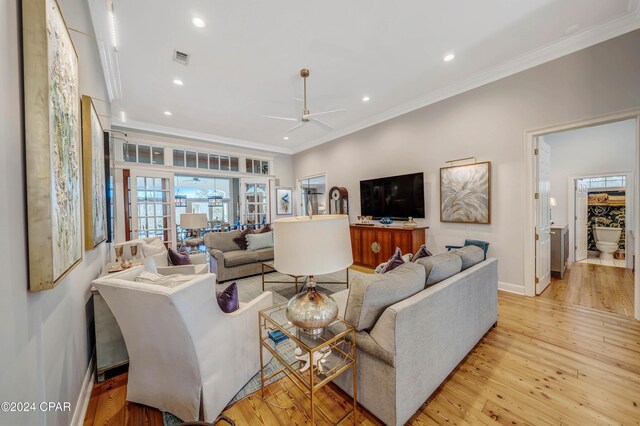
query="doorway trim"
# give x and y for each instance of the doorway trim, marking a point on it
(530, 189)
(571, 198)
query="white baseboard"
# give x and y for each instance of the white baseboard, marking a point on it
(85, 394)
(511, 288)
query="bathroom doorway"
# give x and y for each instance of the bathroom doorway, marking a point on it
(573, 166)
(600, 231)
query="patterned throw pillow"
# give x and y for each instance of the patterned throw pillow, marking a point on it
(394, 261)
(422, 252)
(266, 228)
(177, 258)
(241, 240)
(228, 299)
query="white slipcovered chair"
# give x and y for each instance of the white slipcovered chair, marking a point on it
(186, 356)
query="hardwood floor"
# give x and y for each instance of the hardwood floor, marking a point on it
(605, 288)
(547, 362)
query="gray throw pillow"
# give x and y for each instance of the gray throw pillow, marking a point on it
(440, 267)
(371, 294)
(470, 255)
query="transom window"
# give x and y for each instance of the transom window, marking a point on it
(605, 182)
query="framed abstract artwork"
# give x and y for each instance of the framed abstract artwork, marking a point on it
(94, 176)
(52, 138)
(465, 193)
(284, 201)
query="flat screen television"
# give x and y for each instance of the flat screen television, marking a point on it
(396, 197)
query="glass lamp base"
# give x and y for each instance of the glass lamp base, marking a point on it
(312, 311)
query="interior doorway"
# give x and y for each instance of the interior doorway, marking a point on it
(550, 201)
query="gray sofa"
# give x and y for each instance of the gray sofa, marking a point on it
(407, 349)
(228, 261)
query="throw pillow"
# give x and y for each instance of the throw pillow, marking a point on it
(178, 258)
(154, 247)
(265, 229)
(259, 241)
(228, 299)
(370, 294)
(440, 267)
(393, 262)
(149, 265)
(422, 252)
(470, 255)
(406, 257)
(241, 240)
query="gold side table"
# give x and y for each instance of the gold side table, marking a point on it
(339, 338)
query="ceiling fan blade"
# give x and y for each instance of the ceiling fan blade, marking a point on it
(322, 123)
(280, 118)
(294, 127)
(323, 113)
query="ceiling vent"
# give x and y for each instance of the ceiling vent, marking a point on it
(181, 57)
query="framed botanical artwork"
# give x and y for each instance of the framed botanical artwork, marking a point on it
(465, 193)
(94, 176)
(284, 201)
(52, 138)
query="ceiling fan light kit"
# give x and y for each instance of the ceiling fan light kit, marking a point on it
(306, 116)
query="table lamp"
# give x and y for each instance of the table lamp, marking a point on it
(193, 221)
(306, 245)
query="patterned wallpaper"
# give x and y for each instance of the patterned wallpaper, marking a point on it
(610, 216)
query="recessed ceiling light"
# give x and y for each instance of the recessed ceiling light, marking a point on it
(286, 138)
(199, 22)
(167, 113)
(178, 82)
(366, 99)
(449, 57)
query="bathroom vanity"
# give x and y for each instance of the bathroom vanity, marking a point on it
(559, 250)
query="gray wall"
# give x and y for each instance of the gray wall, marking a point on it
(45, 350)
(490, 123)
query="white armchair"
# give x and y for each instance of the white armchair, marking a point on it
(198, 265)
(186, 356)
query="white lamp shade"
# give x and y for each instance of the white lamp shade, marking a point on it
(315, 246)
(193, 220)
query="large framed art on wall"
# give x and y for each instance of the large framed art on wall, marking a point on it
(94, 176)
(465, 193)
(52, 138)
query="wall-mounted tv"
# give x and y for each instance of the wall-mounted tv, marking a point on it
(396, 197)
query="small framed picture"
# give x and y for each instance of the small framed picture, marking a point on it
(284, 201)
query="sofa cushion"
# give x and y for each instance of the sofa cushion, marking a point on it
(154, 247)
(241, 239)
(222, 241)
(470, 255)
(371, 294)
(264, 254)
(440, 267)
(240, 257)
(259, 241)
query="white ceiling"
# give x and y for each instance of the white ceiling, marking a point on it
(246, 62)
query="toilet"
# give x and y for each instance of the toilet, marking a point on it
(607, 241)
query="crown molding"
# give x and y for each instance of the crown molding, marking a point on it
(578, 41)
(140, 126)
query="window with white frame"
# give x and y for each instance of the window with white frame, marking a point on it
(605, 182)
(144, 154)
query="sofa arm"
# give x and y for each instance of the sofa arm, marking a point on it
(179, 269)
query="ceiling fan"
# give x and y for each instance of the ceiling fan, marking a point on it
(306, 115)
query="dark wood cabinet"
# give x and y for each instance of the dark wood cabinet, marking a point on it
(372, 245)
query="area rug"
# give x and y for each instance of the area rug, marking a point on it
(250, 288)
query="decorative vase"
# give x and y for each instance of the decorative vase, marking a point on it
(134, 251)
(410, 224)
(119, 252)
(386, 221)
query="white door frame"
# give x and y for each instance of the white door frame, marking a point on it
(629, 203)
(530, 188)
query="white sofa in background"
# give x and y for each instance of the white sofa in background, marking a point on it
(198, 261)
(186, 356)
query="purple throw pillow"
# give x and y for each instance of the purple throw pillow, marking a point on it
(228, 299)
(394, 261)
(177, 258)
(266, 228)
(241, 240)
(422, 252)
